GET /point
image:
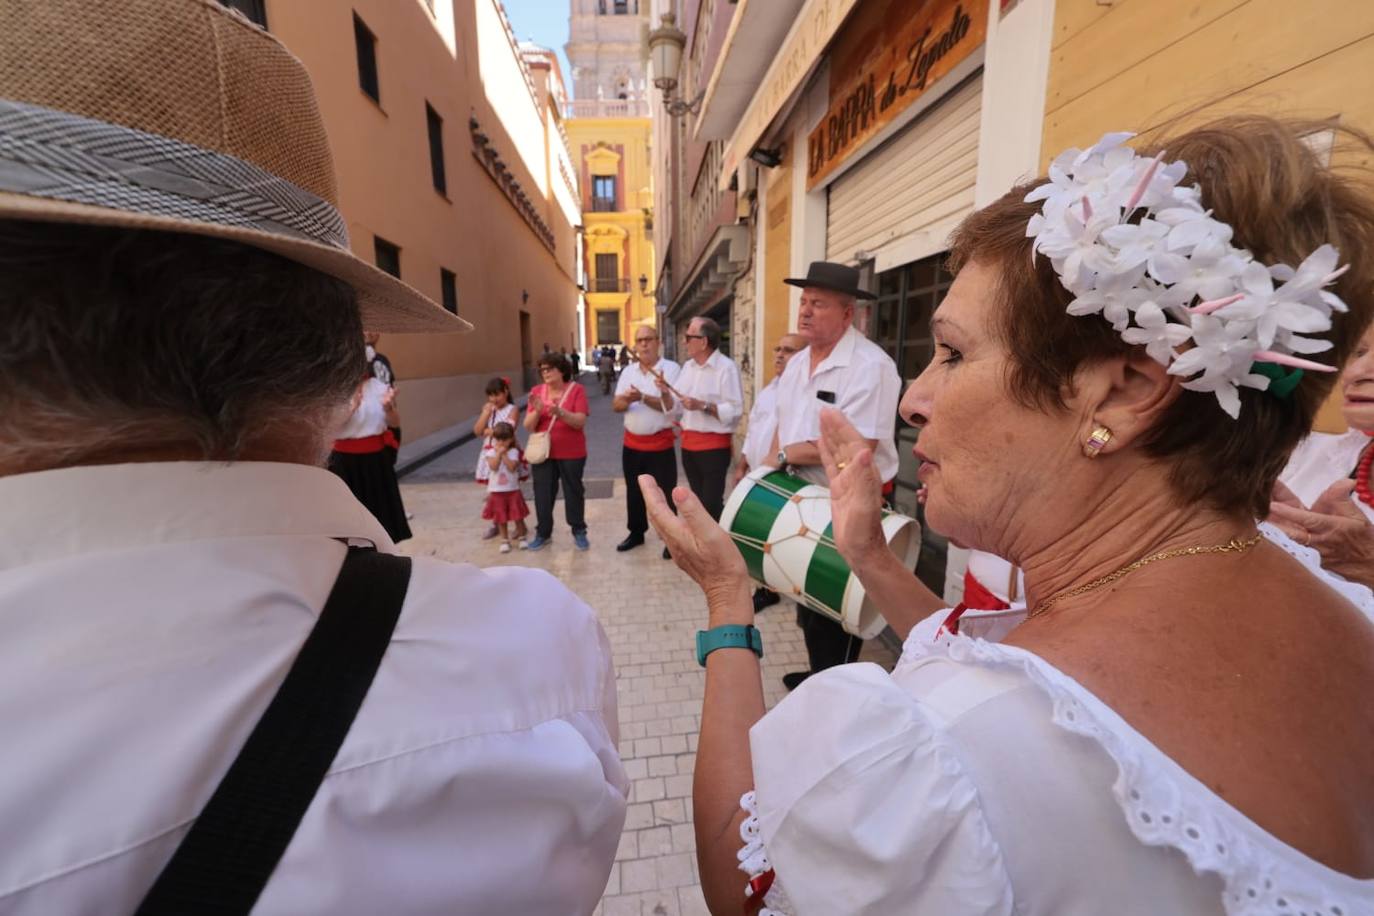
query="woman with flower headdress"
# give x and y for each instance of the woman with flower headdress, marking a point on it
(1128, 354)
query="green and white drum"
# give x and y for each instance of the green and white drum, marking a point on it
(781, 525)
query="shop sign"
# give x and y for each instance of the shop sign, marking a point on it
(908, 57)
(816, 25)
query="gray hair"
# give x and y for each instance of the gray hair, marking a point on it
(118, 340)
(710, 330)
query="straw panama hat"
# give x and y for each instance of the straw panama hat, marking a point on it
(181, 116)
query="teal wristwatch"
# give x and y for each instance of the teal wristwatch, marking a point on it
(732, 636)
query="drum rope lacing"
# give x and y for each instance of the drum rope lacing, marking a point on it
(798, 591)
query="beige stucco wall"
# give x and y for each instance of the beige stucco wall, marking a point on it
(381, 155)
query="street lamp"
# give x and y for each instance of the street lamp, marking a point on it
(665, 52)
(643, 284)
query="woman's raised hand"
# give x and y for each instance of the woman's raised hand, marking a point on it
(1334, 527)
(856, 491)
(701, 549)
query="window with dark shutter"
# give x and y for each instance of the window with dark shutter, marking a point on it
(603, 194)
(436, 148)
(255, 10)
(448, 284)
(606, 281)
(388, 256)
(367, 59)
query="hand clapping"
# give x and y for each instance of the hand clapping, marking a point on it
(702, 550)
(856, 491)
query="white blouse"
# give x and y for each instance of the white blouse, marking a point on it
(1322, 459)
(369, 417)
(979, 779)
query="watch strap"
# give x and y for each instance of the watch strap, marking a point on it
(730, 636)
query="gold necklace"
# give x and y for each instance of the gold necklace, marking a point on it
(1235, 545)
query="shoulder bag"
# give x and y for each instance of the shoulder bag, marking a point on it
(537, 449)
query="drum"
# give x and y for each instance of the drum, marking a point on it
(781, 525)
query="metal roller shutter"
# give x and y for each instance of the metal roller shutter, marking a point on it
(920, 180)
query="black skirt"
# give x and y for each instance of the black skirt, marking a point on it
(372, 478)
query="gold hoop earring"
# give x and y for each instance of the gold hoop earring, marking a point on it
(1101, 435)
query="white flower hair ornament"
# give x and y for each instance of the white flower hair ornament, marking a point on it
(1173, 276)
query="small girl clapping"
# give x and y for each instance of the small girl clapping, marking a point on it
(504, 502)
(500, 408)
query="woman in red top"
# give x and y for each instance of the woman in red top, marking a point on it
(560, 407)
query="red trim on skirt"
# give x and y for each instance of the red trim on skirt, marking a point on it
(505, 507)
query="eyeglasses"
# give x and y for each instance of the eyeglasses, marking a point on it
(548, 368)
(695, 336)
(785, 350)
(640, 340)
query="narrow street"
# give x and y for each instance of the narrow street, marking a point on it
(651, 612)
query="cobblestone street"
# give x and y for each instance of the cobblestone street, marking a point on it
(651, 612)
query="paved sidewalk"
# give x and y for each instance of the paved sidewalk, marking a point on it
(651, 612)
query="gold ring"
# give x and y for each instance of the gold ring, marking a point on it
(841, 465)
(1307, 539)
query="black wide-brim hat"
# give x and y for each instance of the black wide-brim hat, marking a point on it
(828, 275)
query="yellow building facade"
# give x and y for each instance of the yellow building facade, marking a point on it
(612, 158)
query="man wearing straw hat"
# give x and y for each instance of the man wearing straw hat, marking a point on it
(840, 368)
(229, 692)
(644, 395)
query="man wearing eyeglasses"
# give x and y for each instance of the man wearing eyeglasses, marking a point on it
(712, 402)
(758, 437)
(644, 396)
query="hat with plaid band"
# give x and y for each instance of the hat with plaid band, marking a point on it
(179, 116)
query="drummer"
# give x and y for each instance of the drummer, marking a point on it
(759, 436)
(840, 368)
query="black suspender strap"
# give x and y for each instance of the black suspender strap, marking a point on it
(225, 860)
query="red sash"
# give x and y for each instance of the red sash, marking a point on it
(367, 445)
(694, 441)
(660, 441)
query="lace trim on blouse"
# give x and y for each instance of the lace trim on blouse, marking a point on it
(753, 860)
(1163, 804)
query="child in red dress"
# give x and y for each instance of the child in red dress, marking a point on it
(504, 502)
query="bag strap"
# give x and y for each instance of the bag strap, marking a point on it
(561, 401)
(233, 847)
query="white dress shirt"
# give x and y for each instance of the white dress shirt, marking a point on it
(763, 422)
(369, 417)
(716, 382)
(640, 418)
(861, 381)
(1322, 459)
(150, 612)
